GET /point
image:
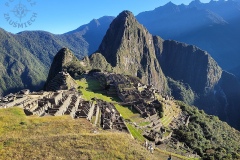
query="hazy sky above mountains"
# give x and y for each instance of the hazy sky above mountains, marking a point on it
(60, 16)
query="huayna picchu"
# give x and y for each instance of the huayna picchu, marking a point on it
(128, 100)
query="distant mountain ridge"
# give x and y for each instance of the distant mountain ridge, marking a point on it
(26, 57)
(93, 32)
(212, 26)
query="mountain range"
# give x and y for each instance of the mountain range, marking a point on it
(212, 26)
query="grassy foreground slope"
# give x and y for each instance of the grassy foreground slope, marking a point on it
(62, 137)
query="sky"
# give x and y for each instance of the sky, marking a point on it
(60, 16)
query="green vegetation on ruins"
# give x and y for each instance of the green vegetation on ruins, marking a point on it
(170, 111)
(90, 89)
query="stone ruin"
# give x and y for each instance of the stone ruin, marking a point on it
(62, 81)
(85, 109)
(157, 136)
(66, 102)
(140, 97)
(14, 99)
(111, 118)
(147, 109)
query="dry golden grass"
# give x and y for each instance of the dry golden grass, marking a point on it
(62, 137)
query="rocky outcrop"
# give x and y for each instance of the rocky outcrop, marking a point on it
(62, 58)
(58, 78)
(130, 49)
(97, 61)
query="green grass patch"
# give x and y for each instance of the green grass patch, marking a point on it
(11, 119)
(144, 123)
(91, 88)
(126, 112)
(135, 133)
(93, 119)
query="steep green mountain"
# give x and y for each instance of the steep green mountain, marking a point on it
(26, 57)
(189, 64)
(44, 45)
(130, 49)
(19, 68)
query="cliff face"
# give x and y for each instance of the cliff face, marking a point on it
(206, 25)
(190, 64)
(130, 49)
(230, 88)
(216, 91)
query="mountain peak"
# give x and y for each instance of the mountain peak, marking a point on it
(94, 23)
(126, 13)
(129, 47)
(195, 3)
(116, 34)
(170, 4)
